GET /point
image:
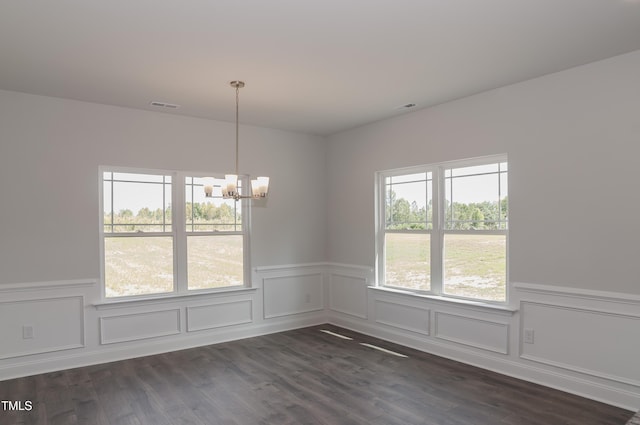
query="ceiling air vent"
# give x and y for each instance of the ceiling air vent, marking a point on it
(164, 105)
(407, 106)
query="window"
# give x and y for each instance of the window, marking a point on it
(442, 229)
(408, 228)
(145, 250)
(215, 238)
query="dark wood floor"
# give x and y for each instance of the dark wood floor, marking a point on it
(297, 377)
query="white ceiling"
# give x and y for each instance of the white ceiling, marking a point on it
(317, 67)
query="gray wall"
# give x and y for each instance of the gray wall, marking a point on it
(50, 150)
(573, 141)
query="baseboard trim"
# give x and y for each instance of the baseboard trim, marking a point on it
(81, 358)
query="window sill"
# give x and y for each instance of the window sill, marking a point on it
(456, 302)
(163, 299)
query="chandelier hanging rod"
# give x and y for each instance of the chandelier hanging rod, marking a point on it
(237, 85)
(229, 186)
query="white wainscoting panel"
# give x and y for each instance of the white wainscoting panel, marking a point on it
(218, 315)
(295, 294)
(136, 326)
(56, 323)
(583, 340)
(403, 316)
(348, 294)
(474, 332)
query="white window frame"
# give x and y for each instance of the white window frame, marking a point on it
(438, 230)
(178, 232)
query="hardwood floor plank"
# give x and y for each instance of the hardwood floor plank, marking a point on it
(85, 400)
(174, 388)
(169, 401)
(329, 387)
(267, 374)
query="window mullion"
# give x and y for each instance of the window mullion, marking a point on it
(437, 237)
(381, 213)
(178, 199)
(112, 213)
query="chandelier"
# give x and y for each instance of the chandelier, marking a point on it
(230, 185)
